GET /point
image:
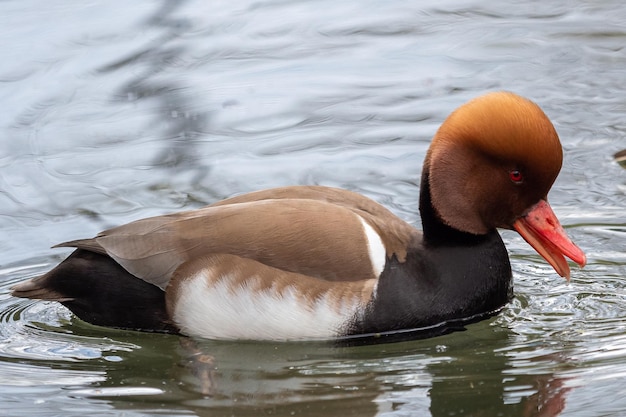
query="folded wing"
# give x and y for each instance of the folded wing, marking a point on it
(321, 232)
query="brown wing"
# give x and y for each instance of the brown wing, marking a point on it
(395, 233)
(321, 236)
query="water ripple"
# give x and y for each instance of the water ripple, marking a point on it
(180, 104)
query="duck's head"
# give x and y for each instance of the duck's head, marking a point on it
(491, 165)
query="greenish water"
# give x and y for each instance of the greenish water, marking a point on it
(116, 111)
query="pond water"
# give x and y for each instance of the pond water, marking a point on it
(113, 111)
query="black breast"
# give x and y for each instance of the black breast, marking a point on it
(440, 288)
(448, 279)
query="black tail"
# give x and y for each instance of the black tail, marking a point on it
(98, 290)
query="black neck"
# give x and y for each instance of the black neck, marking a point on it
(435, 231)
(452, 278)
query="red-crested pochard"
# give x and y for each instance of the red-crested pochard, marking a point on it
(311, 262)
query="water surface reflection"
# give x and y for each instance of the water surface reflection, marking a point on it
(472, 373)
(116, 111)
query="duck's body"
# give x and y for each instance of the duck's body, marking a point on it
(311, 262)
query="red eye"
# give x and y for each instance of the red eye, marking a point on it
(516, 176)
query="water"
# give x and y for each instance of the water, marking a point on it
(114, 111)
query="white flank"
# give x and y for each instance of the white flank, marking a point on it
(376, 248)
(216, 310)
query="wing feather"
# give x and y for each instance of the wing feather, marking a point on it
(307, 230)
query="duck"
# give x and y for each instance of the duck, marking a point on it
(620, 158)
(315, 262)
